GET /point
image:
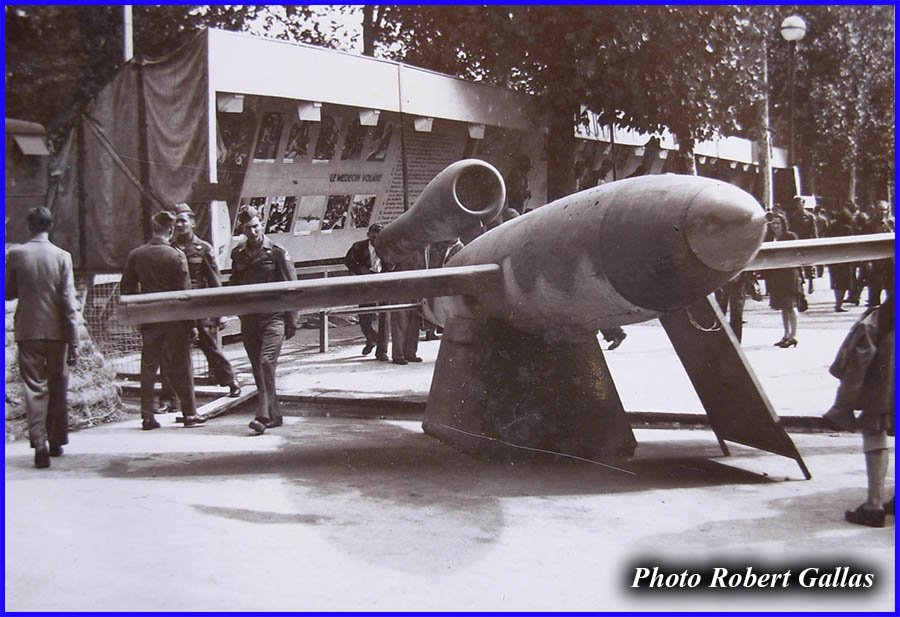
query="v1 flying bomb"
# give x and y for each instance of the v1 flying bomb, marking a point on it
(519, 368)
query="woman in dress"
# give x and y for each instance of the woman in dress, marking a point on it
(784, 286)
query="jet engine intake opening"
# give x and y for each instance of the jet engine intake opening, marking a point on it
(478, 189)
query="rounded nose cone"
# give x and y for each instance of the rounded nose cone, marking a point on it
(724, 226)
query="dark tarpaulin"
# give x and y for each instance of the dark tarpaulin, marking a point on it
(96, 195)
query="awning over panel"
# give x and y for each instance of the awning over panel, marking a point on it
(32, 145)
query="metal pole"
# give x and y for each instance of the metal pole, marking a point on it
(612, 148)
(129, 32)
(793, 45)
(765, 151)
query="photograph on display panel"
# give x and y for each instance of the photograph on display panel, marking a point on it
(281, 214)
(269, 136)
(310, 212)
(298, 141)
(256, 202)
(336, 212)
(361, 210)
(326, 144)
(381, 141)
(353, 141)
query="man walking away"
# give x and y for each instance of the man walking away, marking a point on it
(152, 267)
(39, 275)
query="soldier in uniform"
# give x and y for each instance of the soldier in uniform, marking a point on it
(259, 260)
(158, 266)
(204, 273)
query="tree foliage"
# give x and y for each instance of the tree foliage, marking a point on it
(845, 97)
(696, 70)
(59, 57)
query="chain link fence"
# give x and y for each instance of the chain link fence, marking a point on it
(120, 343)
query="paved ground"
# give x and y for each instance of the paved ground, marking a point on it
(367, 514)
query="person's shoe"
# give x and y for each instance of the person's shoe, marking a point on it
(840, 309)
(167, 408)
(258, 426)
(839, 418)
(149, 423)
(400, 361)
(414, 359)
(56, 450)
(791, 342)
(234, 390)
(42, 457)
(367, 348)
(616, 341)
(864, 516)
(270, 423)
(889, 507)
(194, 420)
(782, 342)
(382, 358)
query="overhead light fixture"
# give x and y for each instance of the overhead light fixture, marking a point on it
(369, 117)
(476, 131)
(422, 124)
(230, 103)
(309, 110)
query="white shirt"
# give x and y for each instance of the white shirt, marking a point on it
(374, 259)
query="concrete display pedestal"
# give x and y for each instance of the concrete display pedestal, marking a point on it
(500, 394)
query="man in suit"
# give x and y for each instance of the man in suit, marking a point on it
(361, 259)
(158, 266)
(39, 275)
(405, 324)
(259, 260)
(204, 273)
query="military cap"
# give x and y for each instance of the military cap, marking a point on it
(246, 213)
(164, 218)
(183, 208)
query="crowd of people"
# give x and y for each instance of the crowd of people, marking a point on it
(787, 287)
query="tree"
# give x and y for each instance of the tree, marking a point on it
(641, 67)
(59, 57)
(845, 86)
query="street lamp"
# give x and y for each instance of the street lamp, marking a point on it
(793, 29)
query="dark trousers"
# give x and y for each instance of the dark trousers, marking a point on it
(42, 365)
(219, 366)
(168, 344)
(263, 336)
(404, 333)
(880, 278)
(375, 337)
(732, 297)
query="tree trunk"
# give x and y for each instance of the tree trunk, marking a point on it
(851, 180)
(561, 144)
(369, 28)
(687, 164)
